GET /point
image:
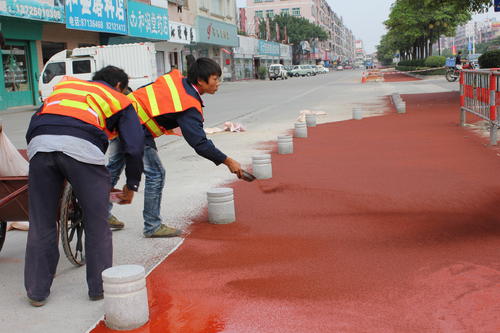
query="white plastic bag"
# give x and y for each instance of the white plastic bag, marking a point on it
(12, 163)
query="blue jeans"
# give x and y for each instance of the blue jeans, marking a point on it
(153, 188)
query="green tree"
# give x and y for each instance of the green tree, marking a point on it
(385, 50)
(488, 46)
(298, 29)
(416, 25)
(473, 6)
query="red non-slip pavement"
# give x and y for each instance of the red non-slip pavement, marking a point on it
(399, 77)
(388, 224)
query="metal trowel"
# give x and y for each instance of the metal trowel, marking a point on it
(247, 176)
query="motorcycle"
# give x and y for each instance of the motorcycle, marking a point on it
(453, 73)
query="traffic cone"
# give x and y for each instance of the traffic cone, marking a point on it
(363, 78)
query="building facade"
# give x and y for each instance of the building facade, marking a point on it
(338, 48)
(470, 34)
(360, 56)
(253, 53)
(35, 30)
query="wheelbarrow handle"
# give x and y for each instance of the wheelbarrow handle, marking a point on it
(13, 195)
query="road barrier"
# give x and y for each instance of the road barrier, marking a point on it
(479, 95)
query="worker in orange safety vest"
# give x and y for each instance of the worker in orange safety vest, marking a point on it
(67, 140)
(172, 101)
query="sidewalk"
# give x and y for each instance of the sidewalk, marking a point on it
(388, 224)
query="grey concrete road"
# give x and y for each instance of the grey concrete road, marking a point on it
(265, 108)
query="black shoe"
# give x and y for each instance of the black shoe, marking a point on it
(96, 297)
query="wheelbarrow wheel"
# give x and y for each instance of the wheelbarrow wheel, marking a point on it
(3, 232)
(72, 230)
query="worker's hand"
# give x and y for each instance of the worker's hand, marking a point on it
(126, 196)
(234, 167)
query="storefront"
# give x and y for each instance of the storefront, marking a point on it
(243, 58)
(56, 38)
(215, 40)
(21, 26)
(285, 54)
(181, 35)
(253, 53)
(19, 62)
(268, 53)
(137, 29)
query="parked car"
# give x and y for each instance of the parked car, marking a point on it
(277, 71)
(347, 67)
(314, 69)
(289, 71)
(340, 68)
(322, 69)
(299, 70)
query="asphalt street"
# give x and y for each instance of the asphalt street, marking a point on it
(265, 108)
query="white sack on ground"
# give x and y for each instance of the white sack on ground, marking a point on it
(228, 127)
(302, 116)
(212, 130)
(12, 162)
(24, 226)
(233, 127)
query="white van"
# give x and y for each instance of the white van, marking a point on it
(137, 60)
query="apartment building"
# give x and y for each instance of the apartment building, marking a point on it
(360, 55)
(338, 47)
(470, 34)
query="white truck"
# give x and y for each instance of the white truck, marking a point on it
(138, 60)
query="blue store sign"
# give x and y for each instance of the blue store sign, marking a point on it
(34, 10)
(147, 21)
(216, 32)
(97, 15)
(269, 48)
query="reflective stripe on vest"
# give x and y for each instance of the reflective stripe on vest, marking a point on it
(150, 123)
(153, 100)
(153, 104)
(90, 102)
(113, 100)
(173, 92)
(104, 106)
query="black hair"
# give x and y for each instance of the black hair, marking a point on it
(190, 59)
(202, 69)
(112, 75)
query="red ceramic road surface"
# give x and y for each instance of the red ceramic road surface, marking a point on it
(388, 224)
(399, 78)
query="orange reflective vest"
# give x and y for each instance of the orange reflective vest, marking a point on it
(91, 102)
(165, 95)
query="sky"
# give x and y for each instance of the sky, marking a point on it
(365, 18)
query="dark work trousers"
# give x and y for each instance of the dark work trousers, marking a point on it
(91, 185)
